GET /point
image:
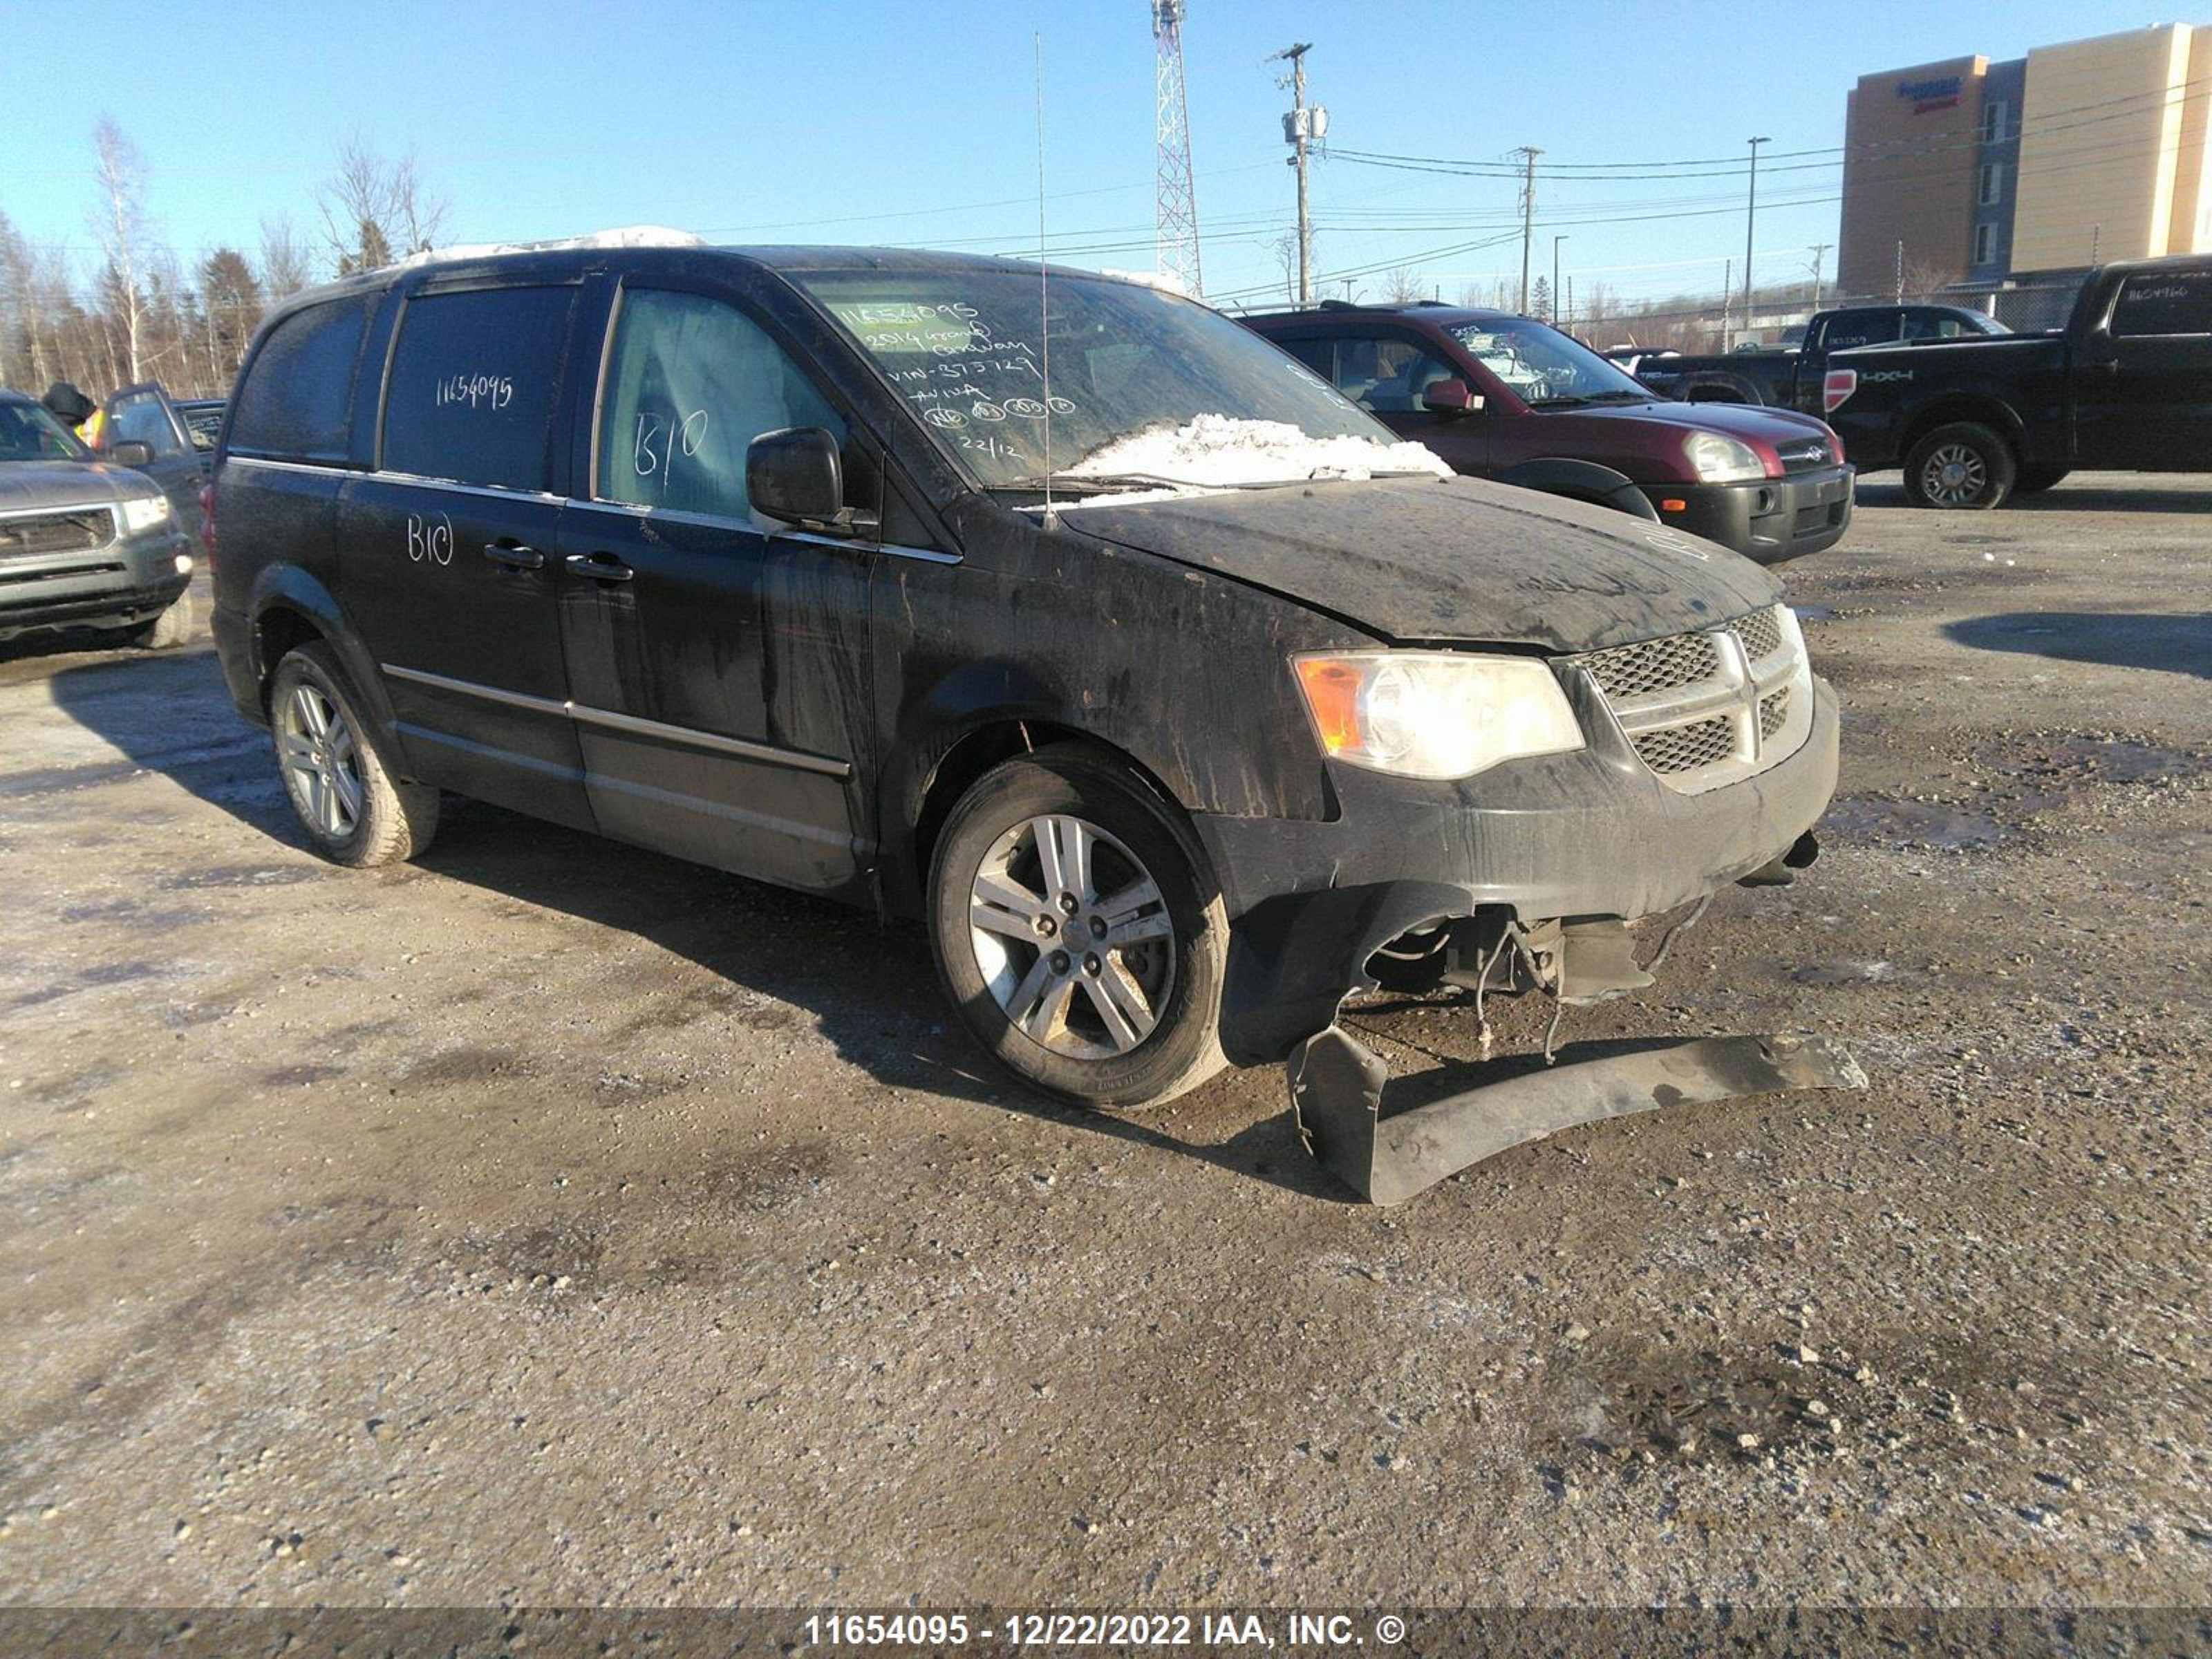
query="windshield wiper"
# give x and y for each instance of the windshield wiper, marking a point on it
(1557, 403)
(1088, 484)
(1619, 396)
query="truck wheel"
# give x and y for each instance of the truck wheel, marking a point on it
(166, 630)
(1964, 464)
(349, 796)
(1078, 932)
(2035, 478)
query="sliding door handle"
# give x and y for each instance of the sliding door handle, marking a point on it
(515, 558)
(600, 566)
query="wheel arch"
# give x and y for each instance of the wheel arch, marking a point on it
(1978, 409)
(1581, 481)
(291, 607)
(915, 814)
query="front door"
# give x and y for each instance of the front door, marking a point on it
(447, 551)
(718, 671)
(142, 414)
(1385, 373)
(2143, 393)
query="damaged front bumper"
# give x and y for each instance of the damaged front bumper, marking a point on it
(1539, 865)
(1595, 834)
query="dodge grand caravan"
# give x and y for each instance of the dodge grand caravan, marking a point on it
(1175, 696)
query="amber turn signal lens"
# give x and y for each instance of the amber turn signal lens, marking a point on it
(1332, 693)
(1672, 505)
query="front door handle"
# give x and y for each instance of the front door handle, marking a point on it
(600, 566)
(515, 558)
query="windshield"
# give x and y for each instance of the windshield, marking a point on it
(28, 432)
(963, 347)
(1542, 367)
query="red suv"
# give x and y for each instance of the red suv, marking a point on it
(1509, 397)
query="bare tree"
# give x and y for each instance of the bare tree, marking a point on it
(1402, 286)
(374, 208)
(120, 222)
(22, 354)
(285, 263)
(1284, 247)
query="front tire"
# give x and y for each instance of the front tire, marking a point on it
(1962, 464)
(167, 630)
(1078, 932)
(347, 793)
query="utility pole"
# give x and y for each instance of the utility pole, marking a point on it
(1300, 127)
(1727, 299)
(1556, 313)
(1820, 251)
(1528, 153)
(1750, 218)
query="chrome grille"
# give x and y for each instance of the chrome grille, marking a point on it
(1706, 708)
(1806, 455)
(77, 529)
(1760, 634)
(1632, 671)
(1687, 747)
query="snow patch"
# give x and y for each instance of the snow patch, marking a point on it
(622, 236)
(1224, 451)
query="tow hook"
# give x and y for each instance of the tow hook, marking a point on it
(1337, 1086)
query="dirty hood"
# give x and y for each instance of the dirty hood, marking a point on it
(1449, 559)
(28, 485)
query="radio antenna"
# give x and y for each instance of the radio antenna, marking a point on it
(1044, 320)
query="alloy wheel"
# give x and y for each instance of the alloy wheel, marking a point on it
(1072, 936)
(321, 761)
(1953, 475)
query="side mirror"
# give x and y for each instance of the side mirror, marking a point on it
(1449, 398)
(130, 453)
(794, 474)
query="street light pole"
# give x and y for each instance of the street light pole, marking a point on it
(1556, 313)
(1750, 218)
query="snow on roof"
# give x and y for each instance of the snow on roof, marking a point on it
(622, 236)
(1223, 450)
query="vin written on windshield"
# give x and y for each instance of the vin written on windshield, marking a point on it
(965, 351)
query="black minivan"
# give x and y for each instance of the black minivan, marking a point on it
(1175, 696)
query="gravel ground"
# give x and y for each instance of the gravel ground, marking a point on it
(548, 1223)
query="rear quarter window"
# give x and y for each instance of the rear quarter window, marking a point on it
(2169, 302)
(297, 397)
(471, 397)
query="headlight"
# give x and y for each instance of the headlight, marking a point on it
(1718, 459)
(1435, 713)
(147, 512)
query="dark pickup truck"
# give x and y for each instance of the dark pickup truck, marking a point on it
(1791, 379)
(2123, 386)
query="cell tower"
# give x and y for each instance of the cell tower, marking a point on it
(1176, 215)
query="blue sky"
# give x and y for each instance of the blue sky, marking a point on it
(868, 121)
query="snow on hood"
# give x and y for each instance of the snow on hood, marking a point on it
(1222, 451)
(622, 236)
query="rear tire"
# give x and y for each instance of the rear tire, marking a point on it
(2035, 478)
(342, 786)
(167, 630)
(1963, 464)
(1046, 862)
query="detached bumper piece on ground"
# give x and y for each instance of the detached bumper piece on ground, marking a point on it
(1337, 1087)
